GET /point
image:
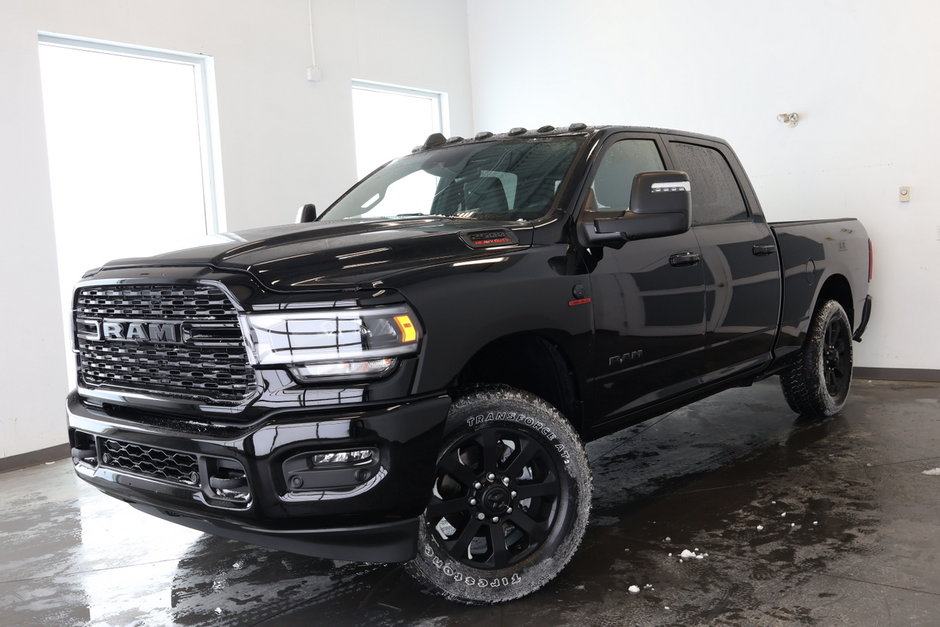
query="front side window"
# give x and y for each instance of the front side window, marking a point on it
(499, 180)
(613, 181)
(716, 196)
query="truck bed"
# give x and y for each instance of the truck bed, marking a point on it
(810, 252)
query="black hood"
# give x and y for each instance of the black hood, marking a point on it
(340, 254)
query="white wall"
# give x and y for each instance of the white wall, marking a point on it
(285, 141)
(862, 74)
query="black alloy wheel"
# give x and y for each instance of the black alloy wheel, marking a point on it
(496, 497)
(837, 355)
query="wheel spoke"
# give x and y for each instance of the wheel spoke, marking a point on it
(527, 451)
(489, 443)
(439, 508)
(500, 554)
(458, 547)
(451, 465)
(532, 528)
(532, 490)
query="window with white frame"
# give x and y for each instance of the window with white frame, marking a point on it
(133, 151)
(390, 121)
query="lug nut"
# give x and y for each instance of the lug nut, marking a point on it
(495, 519)
(477, 485)
(481, 516)
(513, 494)
(508, 510)
(473, 501)
(491, 476)
(505, 480)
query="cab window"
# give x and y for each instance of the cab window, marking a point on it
(716, 196)
(613, 181)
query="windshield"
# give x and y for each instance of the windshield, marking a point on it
(500, 180)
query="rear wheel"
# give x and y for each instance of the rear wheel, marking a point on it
(511, 497)
(818, 384)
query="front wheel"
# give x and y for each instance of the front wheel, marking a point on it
(818, 384)
(510, 502)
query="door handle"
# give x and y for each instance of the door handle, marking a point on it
(763, 249)
(684, 259)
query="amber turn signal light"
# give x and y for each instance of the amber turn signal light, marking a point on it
(408, 331)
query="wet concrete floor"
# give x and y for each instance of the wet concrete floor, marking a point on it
(829, 523)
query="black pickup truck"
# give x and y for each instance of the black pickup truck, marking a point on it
(411, 375)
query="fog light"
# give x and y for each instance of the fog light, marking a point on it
(369, 367)
(344, 458)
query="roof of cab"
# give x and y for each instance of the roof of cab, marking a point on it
(437, 140)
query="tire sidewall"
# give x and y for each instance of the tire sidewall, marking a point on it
(514, 410)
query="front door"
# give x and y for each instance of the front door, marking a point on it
(649, 295)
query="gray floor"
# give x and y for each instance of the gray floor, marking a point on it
(813, 523)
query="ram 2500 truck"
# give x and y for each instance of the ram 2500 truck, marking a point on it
(411, 375)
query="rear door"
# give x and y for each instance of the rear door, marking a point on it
(648, 296)
(740, 261)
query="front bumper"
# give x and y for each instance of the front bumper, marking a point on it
(260, 484)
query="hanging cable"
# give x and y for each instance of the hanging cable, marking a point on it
(313, 71)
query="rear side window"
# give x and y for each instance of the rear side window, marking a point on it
(614, 178)
(716, 196)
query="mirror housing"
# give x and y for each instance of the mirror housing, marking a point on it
(659, 206)
(307, 213)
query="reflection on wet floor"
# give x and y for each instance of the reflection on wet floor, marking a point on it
(787, 521)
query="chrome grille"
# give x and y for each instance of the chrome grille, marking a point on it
(165, 302)
(207, 362)
(150, 462)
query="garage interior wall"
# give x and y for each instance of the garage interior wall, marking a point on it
(862, 74)
(285, 141)
(859, 72)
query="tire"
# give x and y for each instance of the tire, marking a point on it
(818, 384)
(511, 498)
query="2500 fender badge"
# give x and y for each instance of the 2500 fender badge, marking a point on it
(619, 360)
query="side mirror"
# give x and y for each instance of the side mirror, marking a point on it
(307, 213)
(659, 206)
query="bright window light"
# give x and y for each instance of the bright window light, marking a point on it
(390, 121)
(132, 157)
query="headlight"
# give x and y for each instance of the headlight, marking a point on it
(352, 343)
